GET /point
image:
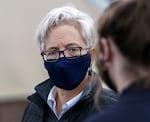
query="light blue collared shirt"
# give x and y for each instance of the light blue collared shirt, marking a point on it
(65, 107)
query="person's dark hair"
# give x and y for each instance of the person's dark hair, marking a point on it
(127, 23)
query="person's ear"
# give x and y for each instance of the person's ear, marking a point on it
(106, 49)
(92, 54)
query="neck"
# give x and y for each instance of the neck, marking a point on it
(124, 82)
(65, 95)
(130, 75)
(120, 69)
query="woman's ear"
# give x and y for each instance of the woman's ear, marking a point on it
(92, 53)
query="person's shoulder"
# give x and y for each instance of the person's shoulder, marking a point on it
(43, 84)
(107, 97)
(106, 105)
(108, 93)
(99, 117)
(30, 111)
(41, 92)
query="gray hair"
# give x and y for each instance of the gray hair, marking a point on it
(66, 15)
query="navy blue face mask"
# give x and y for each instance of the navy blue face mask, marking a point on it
(68, 74)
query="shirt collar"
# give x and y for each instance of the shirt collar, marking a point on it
(51, 97)
(66, 106)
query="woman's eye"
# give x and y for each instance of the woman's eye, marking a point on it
(73, 49)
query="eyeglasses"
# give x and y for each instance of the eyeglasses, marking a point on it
(69, 53)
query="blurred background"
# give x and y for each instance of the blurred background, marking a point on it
(21, 66)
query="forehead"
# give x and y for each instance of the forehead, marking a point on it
(64, 34)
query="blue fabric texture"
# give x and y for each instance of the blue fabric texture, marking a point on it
(133, 106)
(68, 74)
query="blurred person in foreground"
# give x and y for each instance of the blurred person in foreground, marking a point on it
(65, 38)
(123, 57)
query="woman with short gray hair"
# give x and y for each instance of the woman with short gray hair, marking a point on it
(66, 40)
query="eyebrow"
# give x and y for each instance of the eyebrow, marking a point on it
(49, 48)
(72, 45)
